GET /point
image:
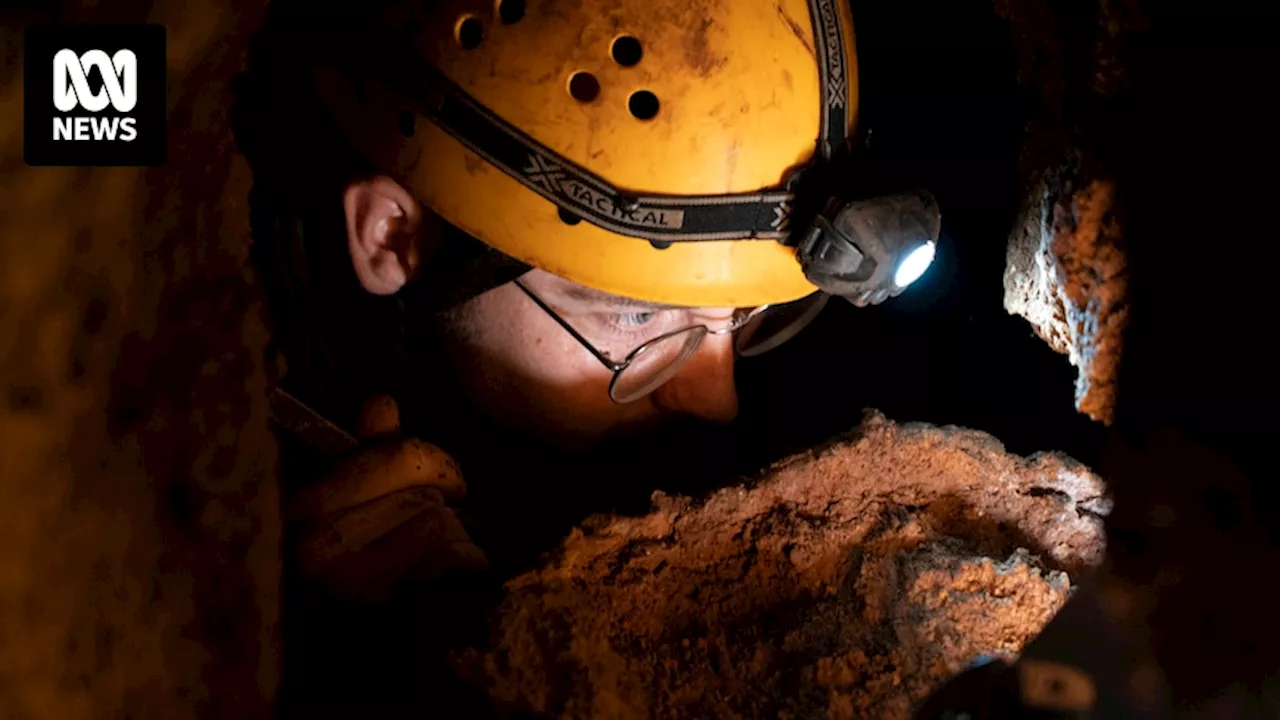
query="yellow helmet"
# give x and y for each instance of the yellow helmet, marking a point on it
(640, 147)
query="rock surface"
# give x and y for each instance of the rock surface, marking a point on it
(138, 532)
(1067, 271)
(1066, 274)
(847, 582)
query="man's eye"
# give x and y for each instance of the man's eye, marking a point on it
(634, 319)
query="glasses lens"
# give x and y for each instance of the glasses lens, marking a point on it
(655, 363)
(778, 324)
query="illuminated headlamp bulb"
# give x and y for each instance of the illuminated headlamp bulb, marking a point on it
(870, 250)
(914, 264)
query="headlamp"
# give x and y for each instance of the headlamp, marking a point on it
(868, 251)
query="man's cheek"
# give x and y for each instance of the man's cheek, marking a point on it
(579, 413)
(564, 365)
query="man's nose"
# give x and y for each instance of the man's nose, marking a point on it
(704, 386)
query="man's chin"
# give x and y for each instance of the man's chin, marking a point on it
(587, 437)
(537, 492)
(681, 456)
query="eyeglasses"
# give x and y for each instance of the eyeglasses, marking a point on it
(655, 361)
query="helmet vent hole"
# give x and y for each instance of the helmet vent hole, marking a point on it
(627, 51)
(584, 87)
(470, 32)
(643, 104)
(510, 11)
(569, 218)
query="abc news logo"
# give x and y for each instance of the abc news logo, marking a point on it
(71, 89)
(94, 95)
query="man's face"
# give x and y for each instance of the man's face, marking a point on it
(525, 370)
(519, 365)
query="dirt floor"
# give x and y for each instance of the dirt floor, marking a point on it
(846, 582)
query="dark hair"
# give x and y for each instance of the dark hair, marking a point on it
(330, 333)
(293, 146)
(327, 328)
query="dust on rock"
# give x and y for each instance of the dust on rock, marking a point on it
(845, 582)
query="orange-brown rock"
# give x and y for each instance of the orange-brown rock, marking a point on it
(847, 582)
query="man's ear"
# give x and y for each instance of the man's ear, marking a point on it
(385, 228)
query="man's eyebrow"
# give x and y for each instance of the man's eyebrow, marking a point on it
(586, 294)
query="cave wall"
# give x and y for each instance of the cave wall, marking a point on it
(1152, 138)
(1066, 269)
(138, 540)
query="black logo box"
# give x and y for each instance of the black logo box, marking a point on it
(41, 43)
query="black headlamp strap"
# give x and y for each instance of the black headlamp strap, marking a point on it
(658, 218)
(833, 75)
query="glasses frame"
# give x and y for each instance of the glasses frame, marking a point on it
(616, 367)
